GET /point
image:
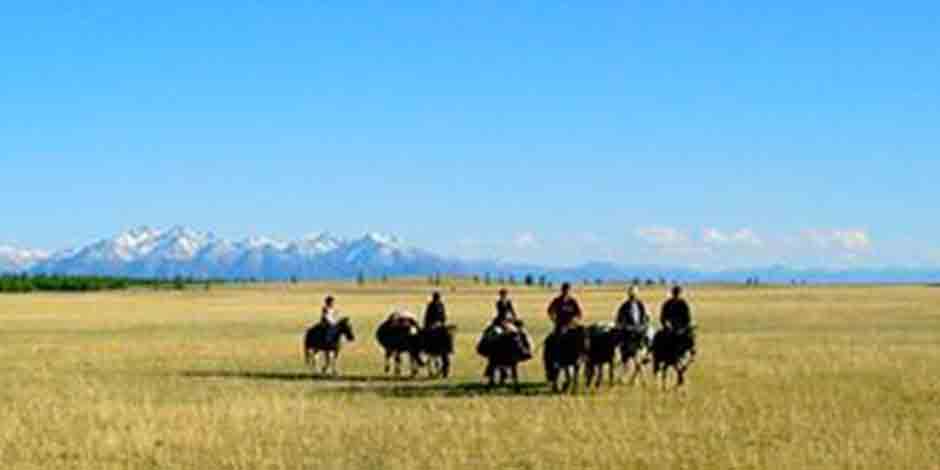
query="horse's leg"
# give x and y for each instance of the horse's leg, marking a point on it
(312, 359)
(445, 366)
(397, 363)
(575, 377)
(514, 370)
(388, 361)
(611, 373)
(637, 371)
(680, 373)
(414, 365)
(625, 365)
(589, 374)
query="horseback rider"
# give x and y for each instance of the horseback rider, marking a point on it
(435, 315)
(632, 314)
(506, 321)
(564, 311)
(676, 318)
(328, 318)
(505, 312)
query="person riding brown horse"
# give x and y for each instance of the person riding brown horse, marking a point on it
(564, 311)
(566, 346)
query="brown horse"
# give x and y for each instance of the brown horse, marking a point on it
(398, 337)
(564, 354)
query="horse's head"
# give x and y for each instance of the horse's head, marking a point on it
(345, 329)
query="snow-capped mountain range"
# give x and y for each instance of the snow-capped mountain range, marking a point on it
(154, 253)
(149, 252)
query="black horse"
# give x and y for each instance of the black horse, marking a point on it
(438, 343)
(634, 351)
(675, 350)
(565, 352)
(398, 337)
(504, 351)
(604, 340)
(327, 339)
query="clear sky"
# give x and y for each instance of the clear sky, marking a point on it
(703, 133)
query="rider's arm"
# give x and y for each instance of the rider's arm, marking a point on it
(619, 317)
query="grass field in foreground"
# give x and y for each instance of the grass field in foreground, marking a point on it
(788, 378)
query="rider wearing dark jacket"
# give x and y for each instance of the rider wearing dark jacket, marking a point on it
(632, 314)
(676, 314)
(564, 310)
(436, 313)
(676, 318)
(505, 311)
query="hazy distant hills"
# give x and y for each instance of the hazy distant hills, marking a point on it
(148, 252)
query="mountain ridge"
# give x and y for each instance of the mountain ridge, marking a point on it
(181, 251)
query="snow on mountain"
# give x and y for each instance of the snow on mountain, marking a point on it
(16, 260)
(148, 252)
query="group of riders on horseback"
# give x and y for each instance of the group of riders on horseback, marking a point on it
(505, 343)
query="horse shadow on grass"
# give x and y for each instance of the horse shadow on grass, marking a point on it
(417, 390)
(287, 376)
(381, 385)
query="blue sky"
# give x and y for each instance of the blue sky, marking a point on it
(719, 134)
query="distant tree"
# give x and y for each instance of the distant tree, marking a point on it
(384, 278)
(487, 279)
(543, 280)
(599, 282)
(476, 278)
(529, 280)
(360, 278)
(178, 283)
(512, 280)
(293, 279)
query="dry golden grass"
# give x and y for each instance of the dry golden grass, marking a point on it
(787, 378)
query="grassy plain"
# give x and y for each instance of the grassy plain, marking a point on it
(788, 378)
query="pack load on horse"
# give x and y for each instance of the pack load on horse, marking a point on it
(400, 334)
(566, 348)
(504, 343)
(674, 345)
(327, 337)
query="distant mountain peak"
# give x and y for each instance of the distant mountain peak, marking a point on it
(145, 251)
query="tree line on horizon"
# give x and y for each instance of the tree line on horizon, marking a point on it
(25, 283)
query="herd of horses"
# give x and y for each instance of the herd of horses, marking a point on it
(566, 354)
